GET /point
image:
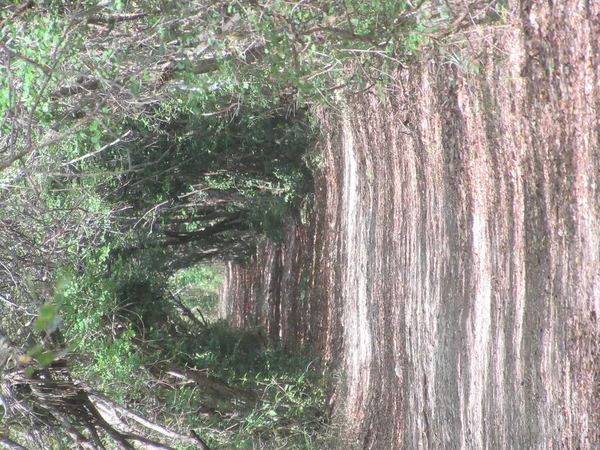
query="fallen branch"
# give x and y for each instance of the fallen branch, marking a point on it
(9, 443)
(104, 403)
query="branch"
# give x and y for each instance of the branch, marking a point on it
(12, 54)
(31, 148)
(148, 442)
(229, 223)
(67, 91)
(75, 434)
(108, 428)
(89, 155)
(188, 312)
(250, 56)
(340, 32)
(12, 159)
(453, 26)
(14, 305)
(112, 19)
(20, 10)
(173, 435)
(9, 443)
(203, 445)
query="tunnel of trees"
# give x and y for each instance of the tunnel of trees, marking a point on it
(142, 145)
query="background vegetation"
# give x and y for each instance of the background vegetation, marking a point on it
(142, 145)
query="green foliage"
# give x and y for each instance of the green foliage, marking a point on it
(48, 320)
(285, 392)
(117, 368)
(316, 47)
(102, 320)
(198, 287)
(203, 277)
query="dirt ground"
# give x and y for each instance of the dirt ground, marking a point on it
(451, 270)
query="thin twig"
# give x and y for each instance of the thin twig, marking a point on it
(89, 155)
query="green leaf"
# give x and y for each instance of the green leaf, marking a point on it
(46, 358)
(47, 312)
(29, 372)
(39, 325)
(36, 350)
(48, 318)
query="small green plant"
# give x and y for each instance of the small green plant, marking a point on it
(282, 394)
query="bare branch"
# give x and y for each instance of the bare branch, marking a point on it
(20, 10)
(114, 18)
(108, 404)
(68, 91)
(9, 443)
(100, 150)
(11, 54)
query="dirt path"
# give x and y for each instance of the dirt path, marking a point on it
(453, 263)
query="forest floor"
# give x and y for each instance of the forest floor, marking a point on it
(450, 272)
